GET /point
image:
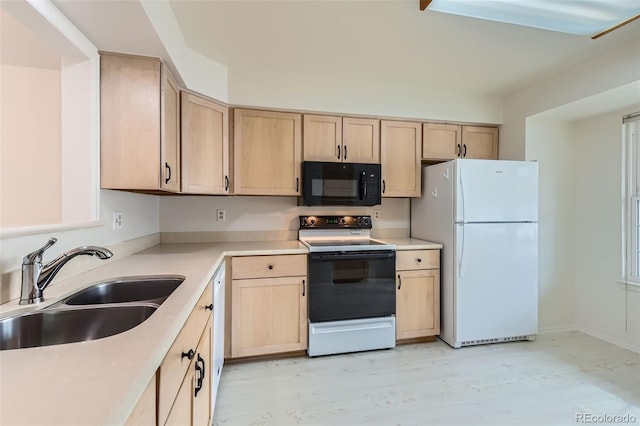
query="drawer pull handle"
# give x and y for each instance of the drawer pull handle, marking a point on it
(209, 307)
(270, 266)
(419, 260)
(189, 354)
(399, 281)
(200, 372)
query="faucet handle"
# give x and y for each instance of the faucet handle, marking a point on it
(36, 256)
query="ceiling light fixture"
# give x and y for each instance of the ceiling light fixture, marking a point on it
(579, 17)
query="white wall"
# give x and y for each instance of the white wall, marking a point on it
(30, 146)
(140, 219)
(596, 75)
(318, 93)
(140, 211)
(603, 306)
(198, 72)
(550, 143)
(194, 214)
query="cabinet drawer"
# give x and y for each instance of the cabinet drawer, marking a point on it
(174, 366)
(268, 266)
(407, 260)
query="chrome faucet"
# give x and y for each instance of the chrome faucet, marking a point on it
(36, 277)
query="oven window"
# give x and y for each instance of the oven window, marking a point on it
(334, 188)
(350, 271)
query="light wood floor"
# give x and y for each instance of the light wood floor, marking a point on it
(546, 382)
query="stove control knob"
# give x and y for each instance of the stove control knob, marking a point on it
(312, 222)
(343, 221)
(364, 221)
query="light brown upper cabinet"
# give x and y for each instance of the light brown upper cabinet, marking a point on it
(267, 148)
(360, 140)
(341, 139)
(450, 141)
(401, 144)
(140, 125)
(322, 138)
(205, 146)
(480, 142)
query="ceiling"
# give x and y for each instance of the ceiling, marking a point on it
(388, 42)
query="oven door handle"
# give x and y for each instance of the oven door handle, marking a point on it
(353, 255)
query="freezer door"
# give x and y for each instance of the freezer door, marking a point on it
(496, 281)
(496, 191)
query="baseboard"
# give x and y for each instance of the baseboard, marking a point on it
(557, 329)
(608, 339)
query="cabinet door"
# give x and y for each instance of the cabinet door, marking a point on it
(360, 140)
(441, 141)
(269, 315)
(417, 303)
(181, 413)
(401, 144)
(129, 122)
(170, 133)
(322, 138)
(175, 364)
(267, 152)
(144, 413)
(205, 146)
(202, 401)
(480, 142)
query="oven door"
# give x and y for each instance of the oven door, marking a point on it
(351, 285)
(340, 184)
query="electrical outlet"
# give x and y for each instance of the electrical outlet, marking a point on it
(376, 214)
(221, 215)
(117, 220)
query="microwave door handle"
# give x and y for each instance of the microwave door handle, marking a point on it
(363, 186)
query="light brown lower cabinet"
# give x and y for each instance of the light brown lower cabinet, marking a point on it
(193, 401)
(144, 413)
(269, 315)
(171, 398)
(417, 294)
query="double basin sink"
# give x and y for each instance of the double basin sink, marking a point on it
(101, 310)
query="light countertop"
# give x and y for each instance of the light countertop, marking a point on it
(412, 244)
(100, 381)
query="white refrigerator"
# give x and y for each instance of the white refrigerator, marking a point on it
(485, 214)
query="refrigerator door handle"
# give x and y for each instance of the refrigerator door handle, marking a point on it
(462, 194)
(460, 269)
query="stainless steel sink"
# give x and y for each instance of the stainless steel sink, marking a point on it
(127, 289)
(57, 326)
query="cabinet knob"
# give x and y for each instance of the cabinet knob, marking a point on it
(209, 307)
(189, 354)
(270, 266)
(419, 260)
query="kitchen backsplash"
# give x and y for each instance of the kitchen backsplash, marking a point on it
(251, 218)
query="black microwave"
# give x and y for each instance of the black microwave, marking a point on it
(340, 184)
